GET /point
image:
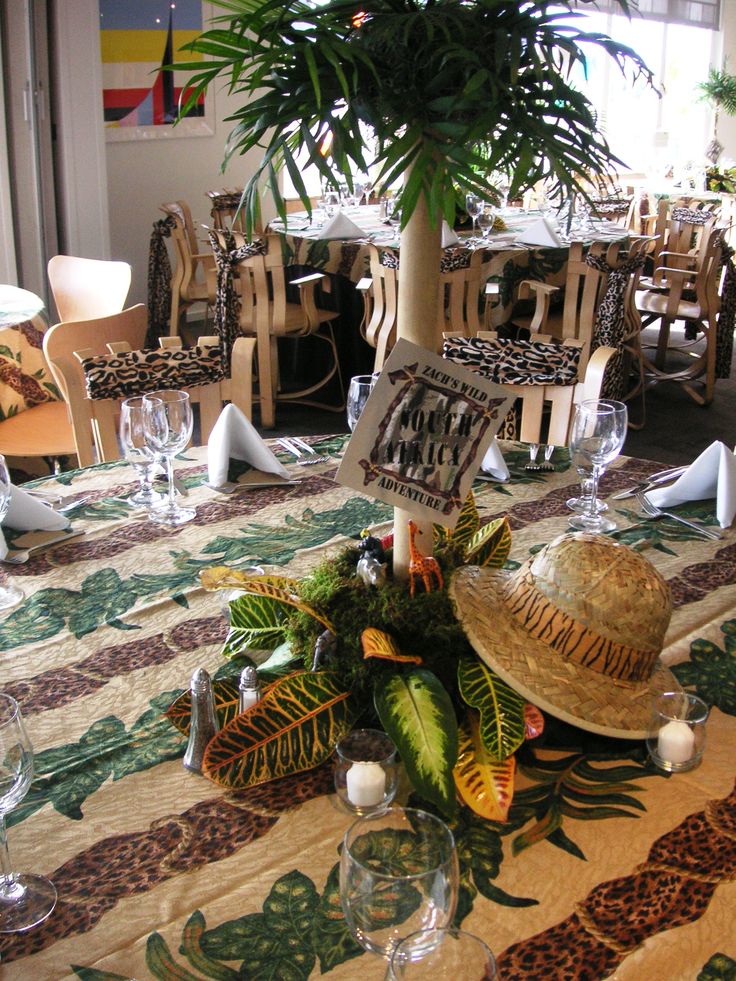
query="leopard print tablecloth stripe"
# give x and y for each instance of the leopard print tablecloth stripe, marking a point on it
(159, 281)
(672, 888)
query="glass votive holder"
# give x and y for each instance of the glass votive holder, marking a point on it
(366, 773)
(436, 955)
(676, 737)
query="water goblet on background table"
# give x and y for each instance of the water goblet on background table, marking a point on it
(486, 220)
(25, 899)
(473, 206)
(10, 595)
(168, 426)
(137, 452)
(359, 390)
(448, 955)
(398, 875)
(597, 437)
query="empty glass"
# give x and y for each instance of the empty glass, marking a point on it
(398, 876)
(441, 955)
(473, 206)
(10, 595)
(358, 392)
(486, 219)
(331, 201)
(25, 900)
(168, 426)
(598, 434)
(138, 452)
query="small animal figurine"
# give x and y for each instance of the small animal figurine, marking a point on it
(370, 545)
(422, 567)
(324, 647)
(371, 571)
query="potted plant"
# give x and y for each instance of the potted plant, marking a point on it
(719, 91)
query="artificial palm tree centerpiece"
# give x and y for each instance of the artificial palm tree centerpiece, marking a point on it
(445, 93)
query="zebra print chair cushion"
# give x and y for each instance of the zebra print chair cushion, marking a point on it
(115, 376)
(510, 361)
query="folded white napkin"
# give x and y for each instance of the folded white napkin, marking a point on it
(448, 236)
(712, 474)
(27, 513)
(233, 437)
(494, 463)
(541, 232)
(340, 226)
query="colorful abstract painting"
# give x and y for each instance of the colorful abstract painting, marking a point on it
(136, 39)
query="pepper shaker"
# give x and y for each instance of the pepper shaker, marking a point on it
(204, 723)
(249, 689)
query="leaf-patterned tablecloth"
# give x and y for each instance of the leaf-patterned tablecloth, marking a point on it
(606, 863)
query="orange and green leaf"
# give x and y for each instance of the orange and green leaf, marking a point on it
(490, 545)
(533, 721)
(501, 708)
(486, 786)
(377, 643)
(294, 727)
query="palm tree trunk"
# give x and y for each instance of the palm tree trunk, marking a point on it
(417, 322)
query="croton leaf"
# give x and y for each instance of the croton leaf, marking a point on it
(227, 701)
(416, 712)
(257, 623)
(467, 525)
(484, 784)
(294, 727)
(490, 545)
(533, 721)
(501, 708)
(377, 643)
(223, 577)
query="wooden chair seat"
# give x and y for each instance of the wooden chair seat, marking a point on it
(44, 430)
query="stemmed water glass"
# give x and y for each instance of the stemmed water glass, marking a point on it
(582, 503)
(137, 452)
(168, 423)
(486, 220)
(10, 595)
(597, 438)
(359, 390)
(473, 206)
(25, 900)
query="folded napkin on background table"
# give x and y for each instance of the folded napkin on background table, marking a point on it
(494, 463)
(448, 236)
(540, 232)
(712, 474)
(27, 513)
(340, 226)
(234, 438)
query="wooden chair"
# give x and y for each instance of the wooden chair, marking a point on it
(548, 378)
(256, 305)
(44, 430)
(225, 210)
(189, 281)
(457, 302)
(109, 350)
(84, 289)
(686, 287)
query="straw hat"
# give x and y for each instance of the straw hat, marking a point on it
(577, 630)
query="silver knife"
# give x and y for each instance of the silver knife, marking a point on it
(647, 485)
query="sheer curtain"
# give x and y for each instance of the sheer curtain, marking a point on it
(696, 13)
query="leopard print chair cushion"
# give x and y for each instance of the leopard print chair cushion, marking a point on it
(511, 361)
(115, 376)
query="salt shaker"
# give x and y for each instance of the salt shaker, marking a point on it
(204, 720)
(249, 689)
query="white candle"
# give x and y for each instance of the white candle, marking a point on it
(676, 742)
(366, 784)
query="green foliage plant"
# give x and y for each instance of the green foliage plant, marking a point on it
(448, 91)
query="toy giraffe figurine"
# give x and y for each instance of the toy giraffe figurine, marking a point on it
(421, 566)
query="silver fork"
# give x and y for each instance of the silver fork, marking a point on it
(309, 450)
(652, 511)
(547, 465)
(533, 450)
(301, 458)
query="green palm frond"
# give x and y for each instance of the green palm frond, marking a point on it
(452, 89)
(720, 90)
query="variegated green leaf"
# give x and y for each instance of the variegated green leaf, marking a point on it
(256, 622)
(179, 713)
(485, 785)
(490, 545)
(502, 728)
(294, 727)
(416, 712)
(466, 527)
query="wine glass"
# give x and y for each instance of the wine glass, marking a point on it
(367, 187)
(10, 595)
(137, 452)
(441, 955)
(359, 389)
(331, 202)
(168, 423)
(598, 434)
(486, 220)
(473, 206)
(582, 503)
(25, 900)
(398, 875)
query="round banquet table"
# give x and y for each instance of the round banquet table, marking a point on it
(25, 379)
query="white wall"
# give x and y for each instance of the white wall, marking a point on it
(727, 124)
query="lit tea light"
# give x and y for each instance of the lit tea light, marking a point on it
(676, 742)
(366, 784)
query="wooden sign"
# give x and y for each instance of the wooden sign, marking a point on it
(422, 434)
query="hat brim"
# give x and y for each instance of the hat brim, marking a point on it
(566, 690)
